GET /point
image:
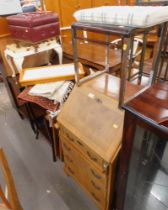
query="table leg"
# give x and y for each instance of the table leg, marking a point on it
(9, 61)
(58, 50)
(19, 63)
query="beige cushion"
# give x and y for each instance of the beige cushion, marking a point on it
(134, 16)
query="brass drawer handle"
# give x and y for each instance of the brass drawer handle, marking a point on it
(91, 157)
(80, 143)
(69, 137)
(95, 175)
(67, 148)
(96, 198)
(72, 172)
(68, 158)
(95, 186)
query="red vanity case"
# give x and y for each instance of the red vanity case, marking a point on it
(34, 27)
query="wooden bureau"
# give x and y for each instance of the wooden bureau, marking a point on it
(90, 134)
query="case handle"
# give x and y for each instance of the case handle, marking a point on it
(91, 157)
(95, 186)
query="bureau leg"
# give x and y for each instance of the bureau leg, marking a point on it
(18, 63)
(9, 61)
(59, 52)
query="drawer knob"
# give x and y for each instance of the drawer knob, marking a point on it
(68, 158)
(71, 171)
(91, 157)
(66, 147)
(95, 186)
(95, 197)
(105, 166)
(69, 137)
(79, 143)
(94, 174)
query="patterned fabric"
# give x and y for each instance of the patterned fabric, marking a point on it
(135, 16)
(68, 91)
(40, 101)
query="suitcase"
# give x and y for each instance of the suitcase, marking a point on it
(34, 27)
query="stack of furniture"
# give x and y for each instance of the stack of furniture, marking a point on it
(34, 33)
(90, 136)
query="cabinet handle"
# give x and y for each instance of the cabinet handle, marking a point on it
(69, 137)
(68, 158)
(97, 199)
(80, 143)
(95, 175)
(95, 186)
(67, 148)
(72, 172)
(91, 157)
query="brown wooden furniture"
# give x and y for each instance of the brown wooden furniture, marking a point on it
(148, 111)
(12, 202)
(90, 136)
(33, 76)
(163, 69)
(93, 55)
(98, 3)
(66, 8)
(4, 27)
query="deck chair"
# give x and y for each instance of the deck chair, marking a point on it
(8, 199)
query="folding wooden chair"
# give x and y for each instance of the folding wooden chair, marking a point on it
(8, 199)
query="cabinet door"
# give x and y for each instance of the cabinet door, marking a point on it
(98, 3)
(68, 7)
(52, 5)
(84, 4)
(3, 27)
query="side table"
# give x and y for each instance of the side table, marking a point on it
(18, 53)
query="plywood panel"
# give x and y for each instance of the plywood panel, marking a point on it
(68, 7)
(3, 27)
(98, 3)
(52, 5)
(84, 4)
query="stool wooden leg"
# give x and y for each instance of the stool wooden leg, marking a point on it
(51, 138)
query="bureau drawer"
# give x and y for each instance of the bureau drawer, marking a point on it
(71, 158)
(92, 180)
(91, 155)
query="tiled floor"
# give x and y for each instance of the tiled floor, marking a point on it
(41, 183)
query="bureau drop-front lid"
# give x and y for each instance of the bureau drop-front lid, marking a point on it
(94, 119)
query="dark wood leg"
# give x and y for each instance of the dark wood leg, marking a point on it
(128, 137)
(33, 120)
(51, 138)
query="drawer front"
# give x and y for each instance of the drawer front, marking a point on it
(91, 155)
(71, 158)
(92, 180)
